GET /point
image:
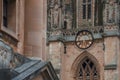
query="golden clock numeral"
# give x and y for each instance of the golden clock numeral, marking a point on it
(78, 43)
(90, 42)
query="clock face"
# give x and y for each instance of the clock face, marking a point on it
(84, 39)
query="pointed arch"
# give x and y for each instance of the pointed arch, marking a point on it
(85, 66)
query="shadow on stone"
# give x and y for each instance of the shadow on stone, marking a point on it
(5, 74)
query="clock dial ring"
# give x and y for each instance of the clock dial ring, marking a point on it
(84, 39)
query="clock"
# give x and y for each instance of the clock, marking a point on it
(84, 39)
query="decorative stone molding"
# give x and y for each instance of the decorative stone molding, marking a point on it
(9, 59)
(6, 37)
(65, 34)
(103, 20)
(111, 27)
(110, 67)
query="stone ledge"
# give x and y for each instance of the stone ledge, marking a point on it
(110, 67)
(70, 38)
(111, 33)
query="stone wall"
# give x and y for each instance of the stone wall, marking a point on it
(111, 57)
(105, 51)
(55, 51)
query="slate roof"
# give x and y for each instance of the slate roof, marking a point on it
(27, 69)
(21, 67)
(30, 69)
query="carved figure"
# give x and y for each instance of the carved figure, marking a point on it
(68, 19)
(5, 58)
(111, 13)
(56, 16)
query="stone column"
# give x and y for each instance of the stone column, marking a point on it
(35, 28)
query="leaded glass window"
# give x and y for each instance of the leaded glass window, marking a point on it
(87, 70)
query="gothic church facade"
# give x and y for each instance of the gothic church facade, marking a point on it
(65, 18)
(47, 30)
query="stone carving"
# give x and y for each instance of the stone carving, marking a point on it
(5, 58)
(68, 16)
(68, 20)
(61, 14)
(54, 14)
(105, 18)
(8, 59)
(111, 13)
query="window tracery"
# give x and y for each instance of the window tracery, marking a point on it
(86, 9)
(87, 70)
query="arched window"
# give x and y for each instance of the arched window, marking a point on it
(87, 70)
(89, 13)
(86, 9)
